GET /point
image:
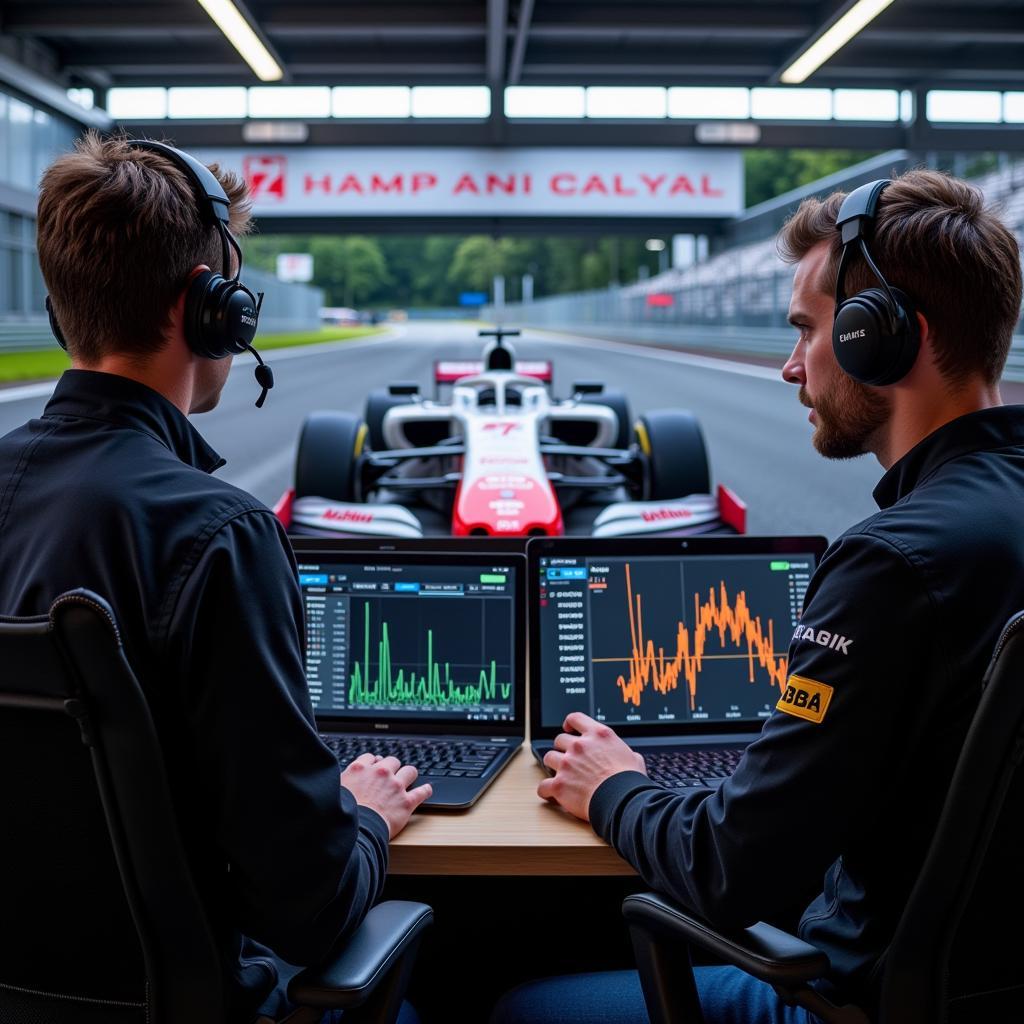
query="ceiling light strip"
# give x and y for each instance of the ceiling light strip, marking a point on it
(240, 34)
(833, 39)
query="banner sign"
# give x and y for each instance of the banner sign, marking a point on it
(295, 267)
(567, 182)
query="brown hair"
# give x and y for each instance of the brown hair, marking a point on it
(119, 230)
(934, 239)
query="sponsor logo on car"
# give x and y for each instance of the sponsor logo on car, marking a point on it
(347, 515)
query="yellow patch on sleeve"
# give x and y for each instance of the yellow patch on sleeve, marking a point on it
(805, 698)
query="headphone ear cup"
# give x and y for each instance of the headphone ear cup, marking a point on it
(54, 326)
(867, 346)
(240, 316)
(220, 316)
(200, 296)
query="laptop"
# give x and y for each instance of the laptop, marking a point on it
(419, 655)
(680, 644)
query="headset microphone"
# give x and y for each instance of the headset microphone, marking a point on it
(264, 377)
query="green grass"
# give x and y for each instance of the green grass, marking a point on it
(314, 337)
(49, 363)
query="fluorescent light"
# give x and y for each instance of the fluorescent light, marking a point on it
(148, 103)
(626, 101)
(1013, 107)
(371, 101)
(865, 105)
(961, 105)
(451, 101)
(791, 104)
(83, 97)
(833, 39)
(694, 102)
(196, 102)
(241, 36)
(289, 101)
(545, 101)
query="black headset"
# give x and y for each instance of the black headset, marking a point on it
(221, 314)
(875, 335)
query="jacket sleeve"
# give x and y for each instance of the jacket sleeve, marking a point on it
(305, 862)
(761, 843)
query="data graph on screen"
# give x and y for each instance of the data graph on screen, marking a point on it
(730, 619)
(708, 640)
(423, 679)
(651, 640)
(411, 641)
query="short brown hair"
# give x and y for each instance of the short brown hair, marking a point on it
(934, 239)
(119, 230)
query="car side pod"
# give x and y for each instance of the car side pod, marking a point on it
(319, 517)
(723, 512)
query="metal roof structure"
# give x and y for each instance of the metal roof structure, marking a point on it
(913, 45)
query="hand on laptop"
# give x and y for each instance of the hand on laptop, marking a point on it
(581, 763)
(382, 784)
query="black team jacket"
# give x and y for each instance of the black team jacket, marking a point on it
(833, 806)
(110, 489)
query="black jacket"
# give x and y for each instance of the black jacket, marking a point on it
(110, 489)
(833, 806)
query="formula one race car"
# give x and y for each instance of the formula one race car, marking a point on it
(502, 457)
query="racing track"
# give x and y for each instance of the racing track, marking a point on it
(757, 433)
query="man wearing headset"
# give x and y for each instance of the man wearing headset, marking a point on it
(110, 489)
(905, 299)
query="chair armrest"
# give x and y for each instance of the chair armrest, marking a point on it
(766, 952)
(353, 974)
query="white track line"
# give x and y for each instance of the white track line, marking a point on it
(17, 394)
(649, 352)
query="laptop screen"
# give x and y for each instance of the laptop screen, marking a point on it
(655, 638)
(413, 639)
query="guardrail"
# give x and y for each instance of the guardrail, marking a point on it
(25, 336)
(766, 342)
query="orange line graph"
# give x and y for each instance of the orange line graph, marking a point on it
(648, 667)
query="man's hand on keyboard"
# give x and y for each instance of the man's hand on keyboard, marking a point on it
(382, 784)
(581, 763)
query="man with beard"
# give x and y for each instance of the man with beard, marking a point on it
(905, 301)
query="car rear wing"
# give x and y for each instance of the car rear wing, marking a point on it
(448, 371)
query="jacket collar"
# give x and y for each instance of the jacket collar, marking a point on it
(124, 402)
(985, 430)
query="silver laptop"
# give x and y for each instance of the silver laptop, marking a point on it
(680, 644)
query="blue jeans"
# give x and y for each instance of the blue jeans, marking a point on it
(407, 1015)
(727, 996)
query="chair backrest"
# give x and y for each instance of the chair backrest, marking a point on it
(101, 921)
(950, 959)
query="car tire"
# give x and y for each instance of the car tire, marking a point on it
(329, 448)
(617, 401)
(378, 403)
(677, 457)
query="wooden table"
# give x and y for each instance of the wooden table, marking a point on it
(509, 831)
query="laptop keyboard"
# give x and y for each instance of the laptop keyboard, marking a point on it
(692, 768)
(465, 759)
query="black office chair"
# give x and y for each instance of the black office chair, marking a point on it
(949, 960)
(84, 802)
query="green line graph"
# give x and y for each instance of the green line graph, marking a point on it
(435, 688)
